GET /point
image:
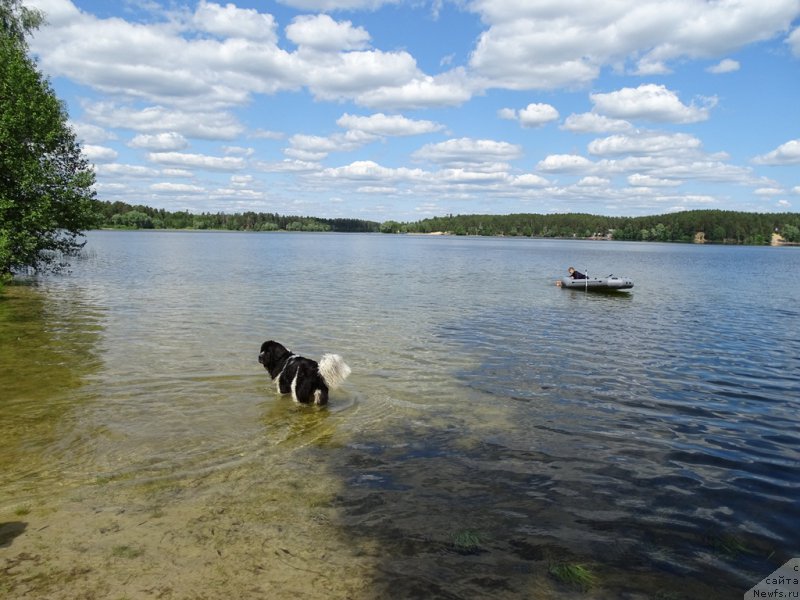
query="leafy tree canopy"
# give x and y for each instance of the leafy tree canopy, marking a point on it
(46, 196)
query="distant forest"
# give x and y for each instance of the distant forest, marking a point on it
(716, 226)
(120, 215)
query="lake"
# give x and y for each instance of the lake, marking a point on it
(497, 433)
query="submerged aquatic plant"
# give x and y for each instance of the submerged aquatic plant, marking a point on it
(467, 542)
(572, 574)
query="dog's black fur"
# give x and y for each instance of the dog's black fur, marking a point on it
(302, 377)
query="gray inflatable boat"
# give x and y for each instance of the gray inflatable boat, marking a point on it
(607, 284)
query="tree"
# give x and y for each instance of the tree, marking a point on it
(46, 196)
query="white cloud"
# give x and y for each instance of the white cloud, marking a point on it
(639, 180)
(238, 151)
(645, 144)
(545, 45)
(197, 161)
(265, 134)
(565, 163)
(125, 171)
(177, 188)
(231, 21)
(367, 170)
(99, 153)
(242, 180)
(160, 141)
(88, 133)
(194, 124)
(794, 41)
(593, 181)
(322, 33)
(387, 125)
(351, 74)
(533, 115)
(176, 173)
(785, 154)
(289, 166)
(727, 65)
(649, 102)
(465, 151)
(529, 180)
(421, 91)
(594, 123)
(315, 147)
(768, 191)
(331, 5)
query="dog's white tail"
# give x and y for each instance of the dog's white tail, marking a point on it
(333, 370)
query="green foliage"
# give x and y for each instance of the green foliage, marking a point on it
(791, 233)
(17, 21)
(124, 216)
(467, 542)
(729, 227)
(45, 183)
(572, 574)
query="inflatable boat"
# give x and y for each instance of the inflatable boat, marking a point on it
(607, 284)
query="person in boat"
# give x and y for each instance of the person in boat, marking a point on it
(576, 274)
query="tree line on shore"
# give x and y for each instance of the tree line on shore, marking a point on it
(119, 215)
(716, 226)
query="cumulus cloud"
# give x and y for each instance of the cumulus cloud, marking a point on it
(322, 33)
(465, 151)
(99, 153)
(231, 21)
(639, 180)
(315, 147)
(176, 188)
(727, 65)
(649, 102)
(533, 115)
(545, 45)
(369, 170)
(380, 124)
(794, 41)
(565, 163)
(168, 64)
(195, 124)
(421, 91)
(785, 154)
(122, 170)
(332, 5)
(594, 123)
(593, 181)
(198, 161)
(645, 144)
(768, 191)
(160, 141)
(88, 133)
(529, 180)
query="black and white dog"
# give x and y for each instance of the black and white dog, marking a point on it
(307, 380)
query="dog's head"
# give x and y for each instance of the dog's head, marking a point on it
(271, 353)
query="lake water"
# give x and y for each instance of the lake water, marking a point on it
(494, 428)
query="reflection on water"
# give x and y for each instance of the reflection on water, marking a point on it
(494, 425)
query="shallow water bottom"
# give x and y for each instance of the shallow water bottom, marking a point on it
(316, 516)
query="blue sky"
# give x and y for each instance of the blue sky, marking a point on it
(381, 109)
